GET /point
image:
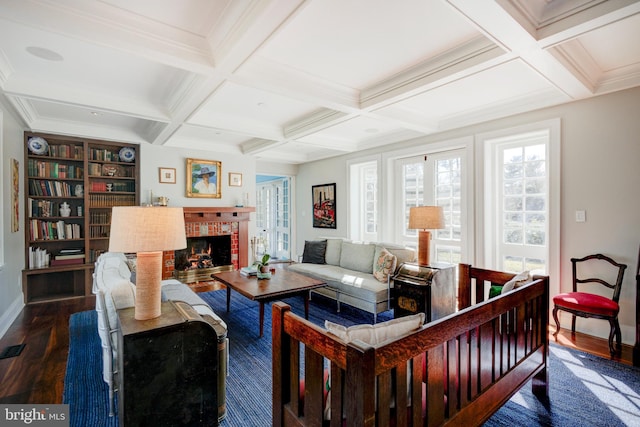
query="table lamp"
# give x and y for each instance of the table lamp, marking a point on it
(423, 218)
(147, 231)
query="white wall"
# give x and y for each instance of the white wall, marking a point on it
(11, 300)
(153, 157)
(600, 174)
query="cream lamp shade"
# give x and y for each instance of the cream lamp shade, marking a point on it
(423, 218)
(147, 231)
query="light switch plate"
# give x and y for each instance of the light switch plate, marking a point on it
(581, 216)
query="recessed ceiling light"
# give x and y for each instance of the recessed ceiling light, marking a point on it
(44, 53)
(95, 113)
(371, 130)
(261, 104)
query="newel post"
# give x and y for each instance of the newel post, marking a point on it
(361, 384)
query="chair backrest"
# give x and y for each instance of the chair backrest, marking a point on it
(616, 286)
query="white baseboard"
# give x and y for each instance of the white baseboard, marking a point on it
(11, 314)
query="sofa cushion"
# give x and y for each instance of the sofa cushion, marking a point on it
(111, 271)
(118, 296)
(314, 251)
(360, 285)
(384, 264)
(334, 249)
(357, 256)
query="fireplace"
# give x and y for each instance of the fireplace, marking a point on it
(217, 240)
(203, 256)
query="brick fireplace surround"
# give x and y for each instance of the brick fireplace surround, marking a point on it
(215, 221)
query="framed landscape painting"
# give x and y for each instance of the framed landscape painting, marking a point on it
(203, 178)
(324, 205)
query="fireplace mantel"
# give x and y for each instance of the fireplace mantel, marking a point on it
(218, 214)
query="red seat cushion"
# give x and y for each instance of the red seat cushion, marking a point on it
(588, 303)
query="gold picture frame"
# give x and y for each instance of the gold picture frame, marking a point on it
(167, 175)
(235, 179)
(203, 178)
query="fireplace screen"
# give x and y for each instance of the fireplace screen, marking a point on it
(204, 252)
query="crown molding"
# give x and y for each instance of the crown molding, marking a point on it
(441, 69)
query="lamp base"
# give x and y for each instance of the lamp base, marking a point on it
(148, 278)
(424, 250)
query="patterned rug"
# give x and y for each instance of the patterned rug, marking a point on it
(585, 390)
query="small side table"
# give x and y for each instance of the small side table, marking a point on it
(427, 289)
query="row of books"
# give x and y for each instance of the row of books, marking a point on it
(38, 187)
(103, 155)
(66, 151)
(68, 257)
(101, 186)
(48, 169)
(109, 200)
(99, 231)
(39, 257)
(45, 208)
(100, 217)
(54, 230)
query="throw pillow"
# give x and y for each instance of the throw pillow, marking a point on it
(519, 280)
(314, 251)
(373, 334)
(385, 265)
(378, 333)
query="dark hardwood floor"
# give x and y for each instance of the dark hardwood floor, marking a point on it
(37, 374)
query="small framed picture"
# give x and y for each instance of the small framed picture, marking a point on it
(235, 179)
(167, 175)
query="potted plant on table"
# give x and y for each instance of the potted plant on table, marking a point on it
(261, 266)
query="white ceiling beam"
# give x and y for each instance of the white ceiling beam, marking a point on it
(504, 29)
(584, 21)
(260, 21)
(474, 56)
(315, 122)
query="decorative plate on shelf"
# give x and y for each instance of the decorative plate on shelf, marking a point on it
(127, 154)
(38, 145)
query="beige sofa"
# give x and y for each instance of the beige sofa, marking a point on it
(357, 274)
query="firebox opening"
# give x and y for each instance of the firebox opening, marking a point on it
(204, 252)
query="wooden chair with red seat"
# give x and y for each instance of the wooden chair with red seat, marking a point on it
(591, 305)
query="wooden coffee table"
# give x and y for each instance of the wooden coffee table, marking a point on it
(283, 284)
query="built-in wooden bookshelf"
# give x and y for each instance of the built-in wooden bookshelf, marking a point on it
(71, 184)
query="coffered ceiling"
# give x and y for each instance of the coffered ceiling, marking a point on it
(294, 81)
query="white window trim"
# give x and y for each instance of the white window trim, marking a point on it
(390, 232)
(377, 158)
(484, 196)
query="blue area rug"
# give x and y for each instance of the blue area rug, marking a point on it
(585, 390)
